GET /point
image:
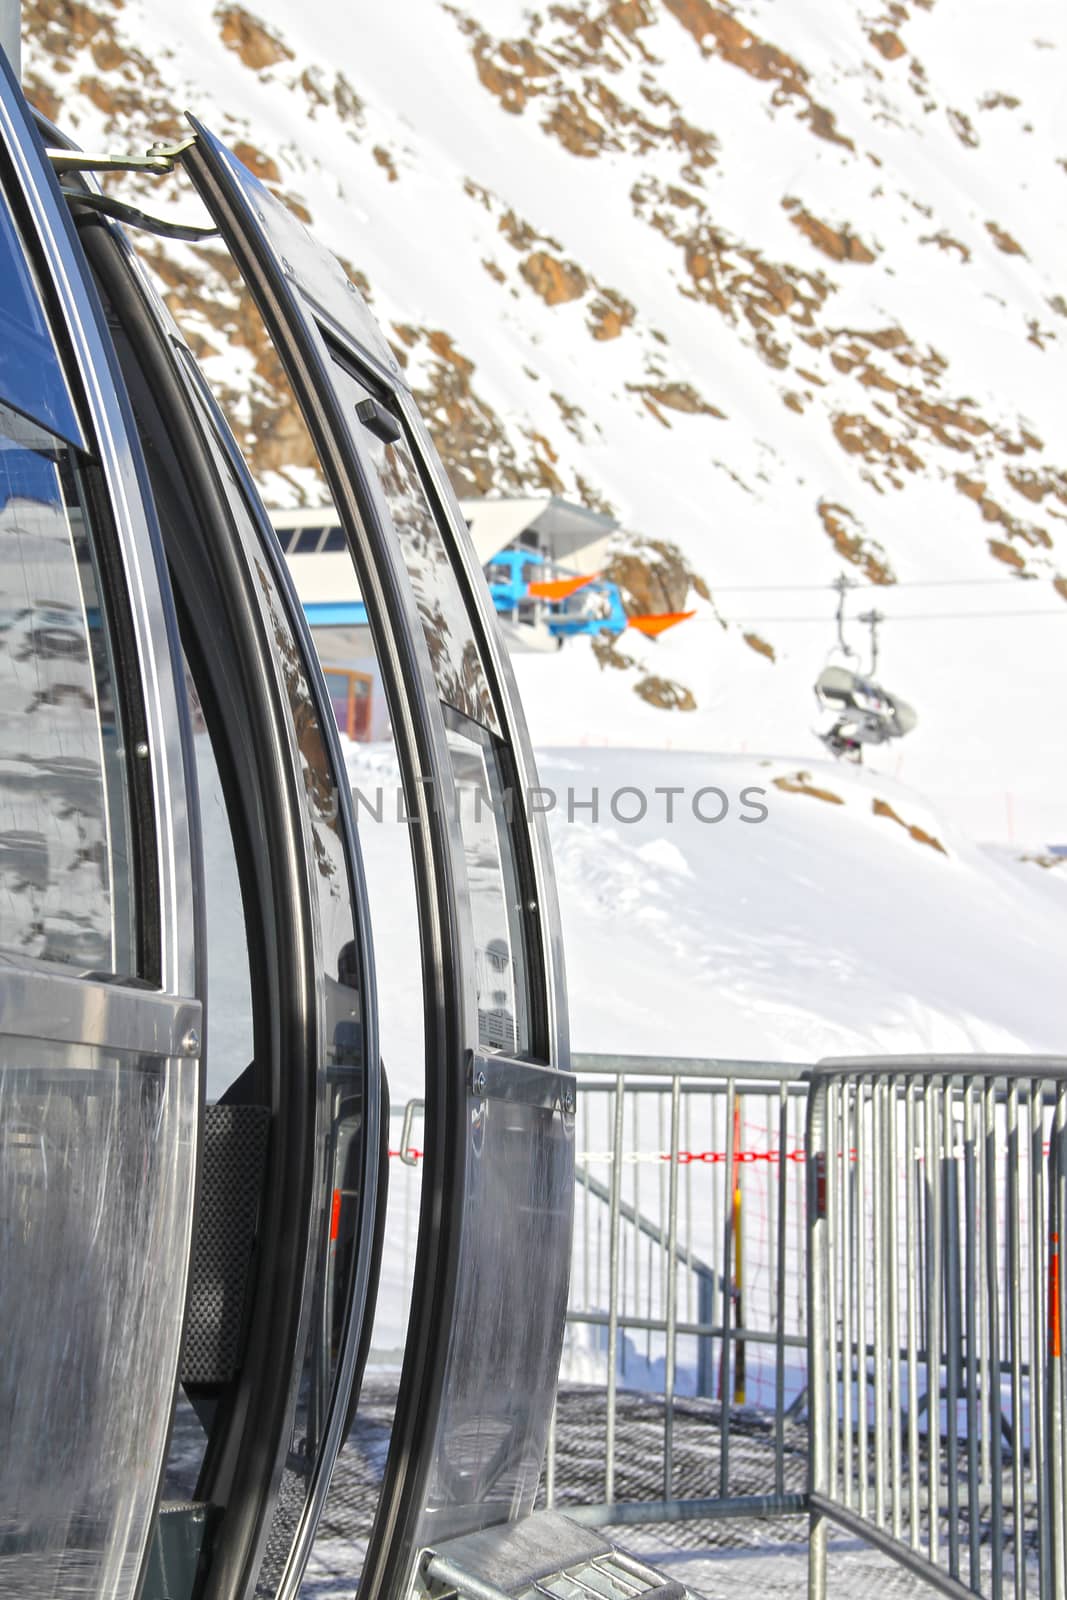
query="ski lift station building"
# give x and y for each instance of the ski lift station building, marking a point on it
(555, 534)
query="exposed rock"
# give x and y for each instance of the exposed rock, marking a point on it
(990, 102)
(554, 280)
(801, 783)
(840, 244)
(887, 43)
(1027, 533)
(675, 397)
(1003, 240)
(386, 162)
(847, 535)
(260, 165)
(609, 314)
(860, 436)
(666, 694)
(963, 128)
(719, 32)
(654, 576)
(607, 652)
(882, 808)
(256, 44)
(760, 646)
(567, 73)
(945, 241)
(733, 277)
(1008, 554)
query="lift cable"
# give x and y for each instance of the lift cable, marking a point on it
(907, 616)
(905, 583)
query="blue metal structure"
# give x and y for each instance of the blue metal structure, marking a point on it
(594, 608)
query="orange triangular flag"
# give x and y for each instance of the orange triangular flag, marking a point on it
(558, 588)
(658, 622)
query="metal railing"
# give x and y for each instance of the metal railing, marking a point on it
(688, 1272)
(936, 1210)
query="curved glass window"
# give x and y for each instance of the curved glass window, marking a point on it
(500, 961)
(64, 825)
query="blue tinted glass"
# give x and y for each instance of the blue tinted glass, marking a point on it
(31, 377)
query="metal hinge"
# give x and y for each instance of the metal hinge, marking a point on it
(159, 159)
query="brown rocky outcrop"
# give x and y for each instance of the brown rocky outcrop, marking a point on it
(554, 280)
(257, 45)
(847, 535)
(840, 244)
(882, 808)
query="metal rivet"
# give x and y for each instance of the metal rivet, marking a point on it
(191, 1042)
(140, 750)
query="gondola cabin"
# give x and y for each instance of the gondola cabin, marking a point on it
(193, 1111)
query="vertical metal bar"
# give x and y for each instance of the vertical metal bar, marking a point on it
(1014, 1291)
(1057, 1343)
(971, 1316)
(1038, 1336)
(932, 1296)
(880, 1300)
(726, 1377)
(896, 1410)
(613, 1289)
(990, 1231)
(586, 1301)
(672, 1294)
(831, 1257)
(664, 1185)
(820, 1272)
(860, 1210)
(688, 1135)
(635, 1226)
(951, 1311)
(911, 1231)
(779, 1295)
(847, 1098)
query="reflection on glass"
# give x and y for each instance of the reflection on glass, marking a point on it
(508, 1319)
(340, 1130)
(500, 965)
(229, 1041)
(64, 891)
(96, 1192)
(454, 656)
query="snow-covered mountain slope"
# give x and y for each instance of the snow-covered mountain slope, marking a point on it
(781, 284)
(850, 918)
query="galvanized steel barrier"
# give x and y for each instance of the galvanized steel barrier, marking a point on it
(688, 1274)
(936, 1211)
(862, 1255)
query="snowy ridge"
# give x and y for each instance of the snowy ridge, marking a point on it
(780, 284)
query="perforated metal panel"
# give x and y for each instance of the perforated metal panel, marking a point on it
(234, 1158)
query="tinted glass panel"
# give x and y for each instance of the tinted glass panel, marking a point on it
(344, 1064)
(501, 970)
(508, 1320)
(454, 655)
(95, 1209)
(31, 377)
(64, 826)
